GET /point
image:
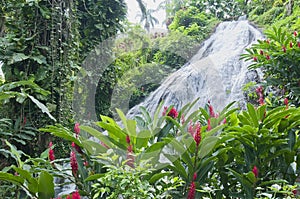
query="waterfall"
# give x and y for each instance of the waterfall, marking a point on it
(215, 73)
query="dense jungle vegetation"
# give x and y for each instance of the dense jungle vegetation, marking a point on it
(63, 63)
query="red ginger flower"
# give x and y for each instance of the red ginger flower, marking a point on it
(173, 113)
(127, 139)
(74, 164)
(261, 52)
(68, 197)
(195, 131)
(76, 129)
(211, 110)
(51, 152)
(208, 125)
(75, 195)
(77, 148)
(255, 171)
(284, 49)
(295, 33)
(195, 176)
(192, 191)
(286, 102)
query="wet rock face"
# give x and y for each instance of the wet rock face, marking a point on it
(215, 73)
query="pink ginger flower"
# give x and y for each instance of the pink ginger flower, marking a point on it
(195, 131)
(261, 101)
(165, 111)
(208, 125)
(211, 110)
(76, 129)
(286, 102)
(51, 152)
(182, 119)
(75, 195)
(74, 164)
(224, 121)
(255, 171)
(192, 189)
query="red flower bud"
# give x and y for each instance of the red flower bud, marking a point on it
(291, 44)
(255, 171)
(286, 101)
(261, 52)
(195, 176)
(51, 152)
(255, 59)
(208, 125)
(76, 129)
(268, 41)
(295, 33)
(284, 49)
(127, 139)
(267, 57)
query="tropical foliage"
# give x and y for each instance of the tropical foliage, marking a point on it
(46, 46)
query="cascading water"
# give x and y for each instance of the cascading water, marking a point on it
(215, 73)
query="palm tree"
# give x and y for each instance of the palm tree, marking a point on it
(147, 16)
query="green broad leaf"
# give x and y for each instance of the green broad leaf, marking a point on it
(146, 115)
(261, 112)
(17, 57)
(45, 186)
(207, 145)
(94, 177)
(142, 139)
(155, 122)
(123, 117)
(42, 107)
(40, 59)
(97, 134)
(93, 148)
(204, 168)
(252, 114)
(32, 182)
(16, 154)
(178, 167)
(131, 128)
(158, 176)
(17, 180)
(61, 132)
(242, 179)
